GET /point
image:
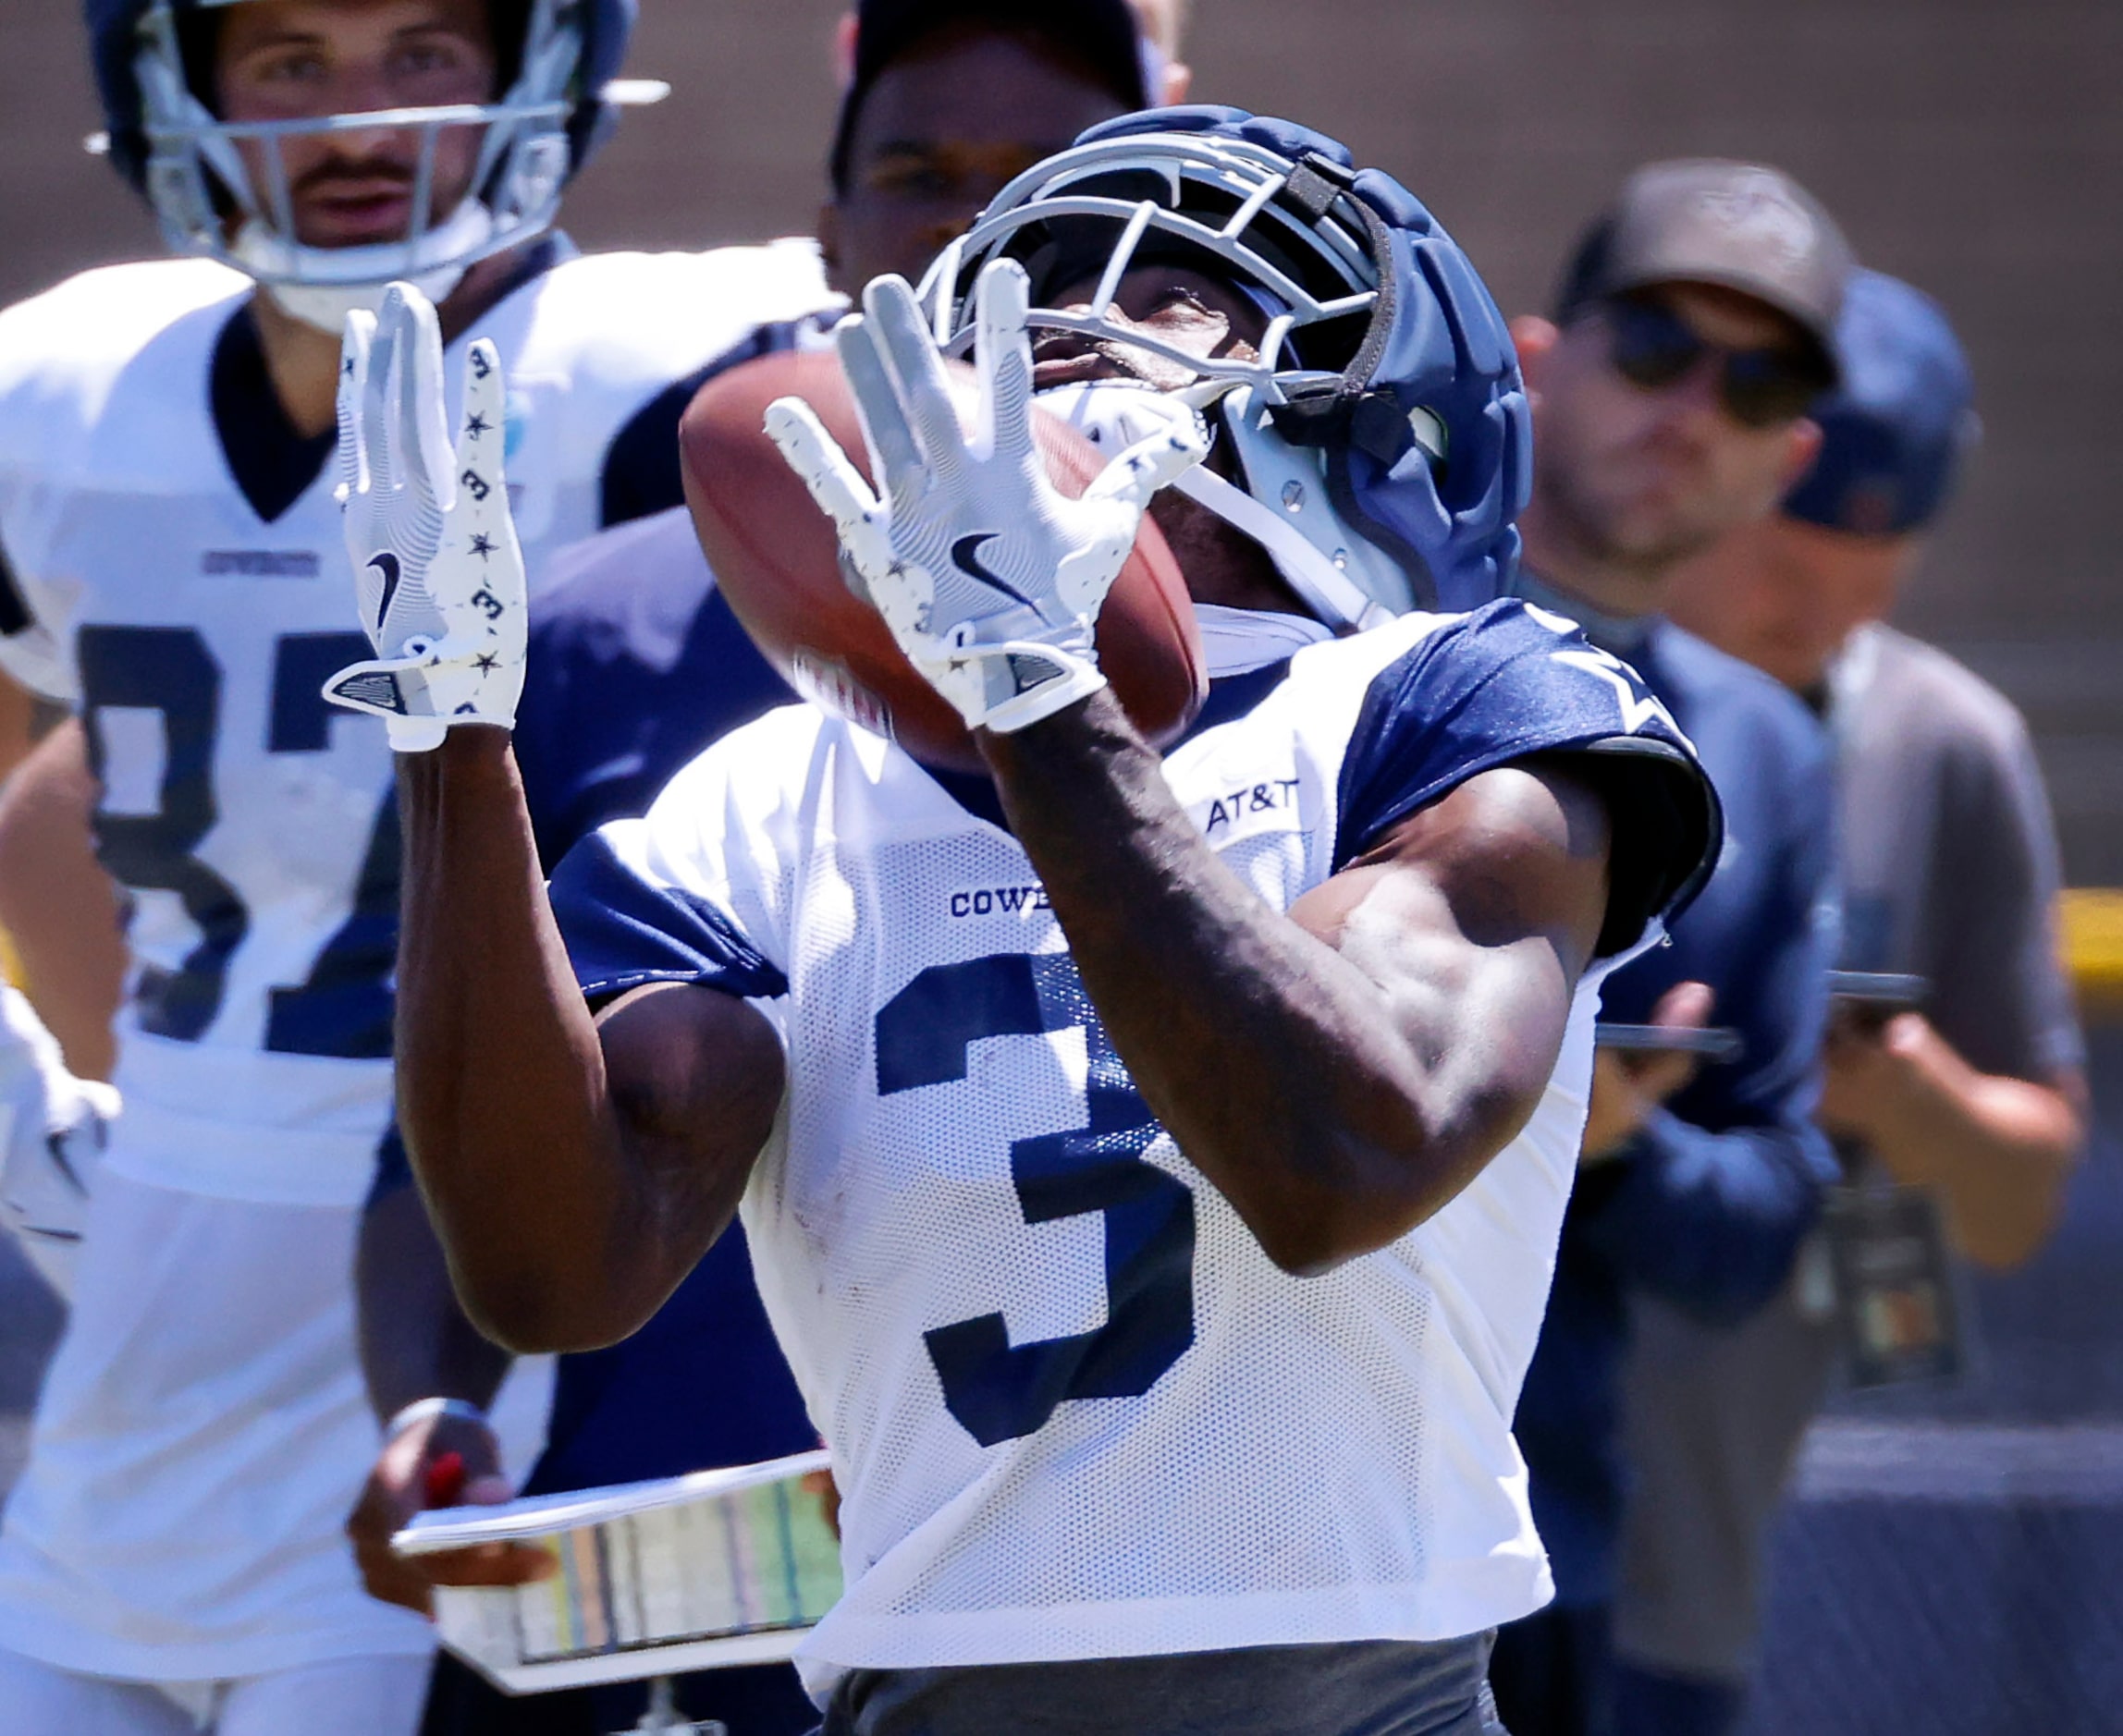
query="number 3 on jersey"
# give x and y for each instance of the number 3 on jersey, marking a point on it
(997, 1391)
(344, 1007)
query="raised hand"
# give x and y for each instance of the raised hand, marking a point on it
(439, 575)
(990, 579)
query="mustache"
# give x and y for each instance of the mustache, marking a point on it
(364, 174)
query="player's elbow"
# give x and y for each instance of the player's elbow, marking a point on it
(1355, 1198)
(1314, 1242)
(519, 1327)
(1304, 1249)
(537, 1329)
(530, 1310)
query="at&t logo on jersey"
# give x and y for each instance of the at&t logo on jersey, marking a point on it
(1250, 807)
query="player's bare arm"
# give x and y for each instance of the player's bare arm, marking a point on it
(576, 1168)
(571, 1192)
(60, 914)
(1341, 1072)
(430, 1376)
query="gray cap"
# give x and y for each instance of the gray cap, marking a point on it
(1740, 226)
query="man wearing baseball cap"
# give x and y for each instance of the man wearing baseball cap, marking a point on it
(1694, 330)
(1950, 873)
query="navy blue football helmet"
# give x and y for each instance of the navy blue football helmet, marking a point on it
(165, 138)
(1382, 440)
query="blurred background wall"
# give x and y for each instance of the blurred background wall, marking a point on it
(1973, 146)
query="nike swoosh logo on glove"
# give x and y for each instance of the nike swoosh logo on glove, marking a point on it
(965, 553)
(387, 564)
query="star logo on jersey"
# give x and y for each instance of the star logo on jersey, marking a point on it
(476, 425)
(386, 563)
(486, 663)
(1639, 707)
(965, 555)
(482, 545)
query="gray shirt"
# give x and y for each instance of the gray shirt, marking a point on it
(1949, 853)
(1950, 873)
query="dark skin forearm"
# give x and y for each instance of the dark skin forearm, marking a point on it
(1341, 1072)
(416, 1342)
(571, 1197)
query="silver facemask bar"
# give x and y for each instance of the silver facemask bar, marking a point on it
(187, 154)
(1284, 504)
(1249, 174)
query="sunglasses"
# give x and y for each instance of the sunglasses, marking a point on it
(1652, 348)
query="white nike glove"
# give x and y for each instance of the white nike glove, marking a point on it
(436, 566)
(52, 1133)
(990, 579)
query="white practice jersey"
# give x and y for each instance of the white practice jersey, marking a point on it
(174, 569)
(1074, 1410)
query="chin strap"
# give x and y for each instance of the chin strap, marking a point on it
(268, 256)
(1112, 416)
(1323, 587)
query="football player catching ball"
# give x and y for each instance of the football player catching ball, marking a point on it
(1160, 1253)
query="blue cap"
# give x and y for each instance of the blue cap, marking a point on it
(1893, 433)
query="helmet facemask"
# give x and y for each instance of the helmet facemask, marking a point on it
(199, 171)
(1290, 238)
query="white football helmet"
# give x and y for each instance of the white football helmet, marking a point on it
(163, 136)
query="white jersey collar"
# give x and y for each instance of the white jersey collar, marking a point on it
(1235, 641)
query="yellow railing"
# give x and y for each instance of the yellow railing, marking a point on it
(2089, 926)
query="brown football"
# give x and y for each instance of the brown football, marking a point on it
(776, 557)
